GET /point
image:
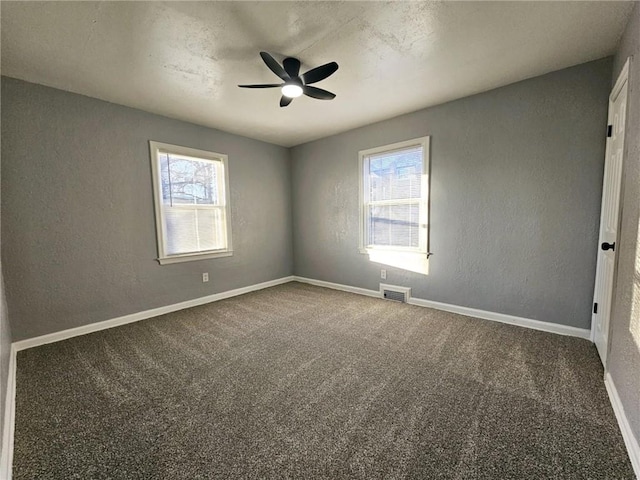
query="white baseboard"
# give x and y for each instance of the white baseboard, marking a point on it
(629, 439)
(469, 312)
(503, 318)
(339, 286)
(6, 456)
(136, 317)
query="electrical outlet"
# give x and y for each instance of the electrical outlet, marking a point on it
(205, 277)
(383, 274)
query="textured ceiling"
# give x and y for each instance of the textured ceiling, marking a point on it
(184, 59)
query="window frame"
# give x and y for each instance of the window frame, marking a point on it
(423, 202)
(163, 258)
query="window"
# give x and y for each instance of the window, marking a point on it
(394, 197)
(191, 195)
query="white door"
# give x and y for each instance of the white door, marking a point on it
(609, 213)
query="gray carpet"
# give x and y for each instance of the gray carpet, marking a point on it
(298, 381)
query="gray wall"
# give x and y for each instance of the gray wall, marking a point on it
(79, 241)
(624, 356)
(5, 349)
(516, 178)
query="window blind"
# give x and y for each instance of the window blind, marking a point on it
(393, 197)
(192, 204)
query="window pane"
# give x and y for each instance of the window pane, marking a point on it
(164, 177)
(191, 230)
(395, 175)
(394, 225)
(189, 181)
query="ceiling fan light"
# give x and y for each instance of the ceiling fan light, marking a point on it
(291, 90)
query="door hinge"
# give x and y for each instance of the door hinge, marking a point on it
(595, 307)
(609, 130)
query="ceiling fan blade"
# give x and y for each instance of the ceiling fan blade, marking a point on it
(318, 93)
(274, 66)
(291, 66)
(284, 101)
(263, 85)
(319, 73)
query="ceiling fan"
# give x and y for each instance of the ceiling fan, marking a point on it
(296, 84)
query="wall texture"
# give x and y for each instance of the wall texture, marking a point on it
(5, 350)
(516, 178)
(79, 241)
(624, 356)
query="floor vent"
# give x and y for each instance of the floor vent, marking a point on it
(392, 292)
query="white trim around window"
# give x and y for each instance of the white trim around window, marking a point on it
(365, 202)
(221, 225)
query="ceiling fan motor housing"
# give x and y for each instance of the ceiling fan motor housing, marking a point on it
(295, 84)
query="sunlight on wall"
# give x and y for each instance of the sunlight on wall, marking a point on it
(413, 262)
(634, 324)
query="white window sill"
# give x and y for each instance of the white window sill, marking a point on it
(193, 256)
(396, 251)
(413, 261)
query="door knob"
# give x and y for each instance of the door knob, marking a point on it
(607, 246)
